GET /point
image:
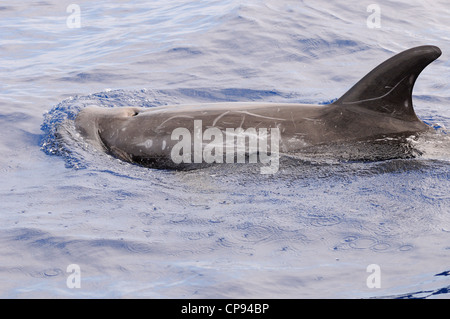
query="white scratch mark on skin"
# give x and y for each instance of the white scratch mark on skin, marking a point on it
(292, 119)
(147, 144)
(219, 117)
(242, 122)
(261, 116)
(377, 98)
(173, 117)
(256, 126)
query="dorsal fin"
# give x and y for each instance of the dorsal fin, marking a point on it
(388, 88)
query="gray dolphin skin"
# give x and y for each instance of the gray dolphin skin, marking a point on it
(375, 110)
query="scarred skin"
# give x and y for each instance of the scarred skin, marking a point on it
(379, 105)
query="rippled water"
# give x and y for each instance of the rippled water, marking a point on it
(309, 231)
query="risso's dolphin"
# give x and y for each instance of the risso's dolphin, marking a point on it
(375, 111)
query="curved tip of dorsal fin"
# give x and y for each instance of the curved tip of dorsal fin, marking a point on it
(388, 88)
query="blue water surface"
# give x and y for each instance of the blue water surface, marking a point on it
(310, 231)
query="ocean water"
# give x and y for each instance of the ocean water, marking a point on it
(313, 230)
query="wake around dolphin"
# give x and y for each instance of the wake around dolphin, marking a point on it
(375, 111)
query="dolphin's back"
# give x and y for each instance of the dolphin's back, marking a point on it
(371, 120)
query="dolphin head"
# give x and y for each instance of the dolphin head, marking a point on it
(92, 121)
